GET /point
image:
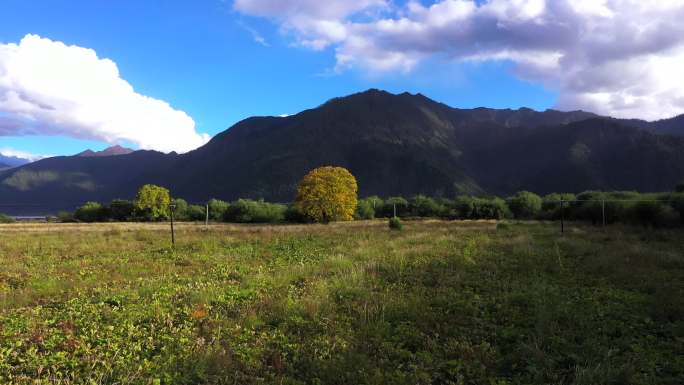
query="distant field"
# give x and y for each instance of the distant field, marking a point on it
(353, 303)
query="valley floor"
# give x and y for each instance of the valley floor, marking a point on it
(352, 303)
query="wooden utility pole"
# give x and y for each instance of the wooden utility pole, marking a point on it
(395, 210)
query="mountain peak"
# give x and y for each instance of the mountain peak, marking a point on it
(109, 151)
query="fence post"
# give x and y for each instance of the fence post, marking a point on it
(173, 235)
(603, 212)
(562, 213)
(206, 218)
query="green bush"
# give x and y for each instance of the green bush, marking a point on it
(655, 214)
(680, 187)
(250, 211)
(6, 219)
(525, 205)
(464, 207)
(677, 203)
(364, 210)
(422, 206)
(292, 215)
(551, 205)
(121, 210)
(490, 208)
(196, 213)
(91, 212)
(65, 217)
(395, 223)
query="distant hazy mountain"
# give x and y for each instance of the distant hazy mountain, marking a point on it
(109, 151)
(394, 144)
(12, 161)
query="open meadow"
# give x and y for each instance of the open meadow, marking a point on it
(463, 302)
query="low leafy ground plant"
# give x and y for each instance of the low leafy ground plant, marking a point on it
(395, 223)
(443, 303)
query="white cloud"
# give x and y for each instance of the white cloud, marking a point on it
(317, 24)
(10, 152)
(49, 88)
(615, 57)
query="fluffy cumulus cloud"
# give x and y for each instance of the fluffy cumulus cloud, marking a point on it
(617, 57)
(49, 88)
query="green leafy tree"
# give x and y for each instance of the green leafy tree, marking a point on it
(180, 211)
(376, 202)
(90, 212)
(525, 205)
(218, 209)
(152, 202)
(422, 206)
(365, 209)
(402, 206)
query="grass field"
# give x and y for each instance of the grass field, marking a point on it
(354, 303)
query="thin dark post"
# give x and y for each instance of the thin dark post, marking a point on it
(173, 235)
(603, 211)
(562, 213)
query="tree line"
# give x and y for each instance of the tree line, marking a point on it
(652, 209)
(328, 194)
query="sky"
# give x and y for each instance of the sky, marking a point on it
(168, 75)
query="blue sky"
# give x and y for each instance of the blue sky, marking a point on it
(216, 62)
(202, 58)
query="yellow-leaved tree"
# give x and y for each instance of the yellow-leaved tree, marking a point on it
(153, 202)
(327, 194)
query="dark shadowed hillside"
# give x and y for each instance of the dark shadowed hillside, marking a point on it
(394, 144)
(64, 182)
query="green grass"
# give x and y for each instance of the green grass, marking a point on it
(355, 303)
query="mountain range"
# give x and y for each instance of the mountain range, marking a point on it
(109, 151)
(12, 161)
(395, 144)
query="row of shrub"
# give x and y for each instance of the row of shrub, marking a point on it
(240, 211)
(662, 209)
(654, 209)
